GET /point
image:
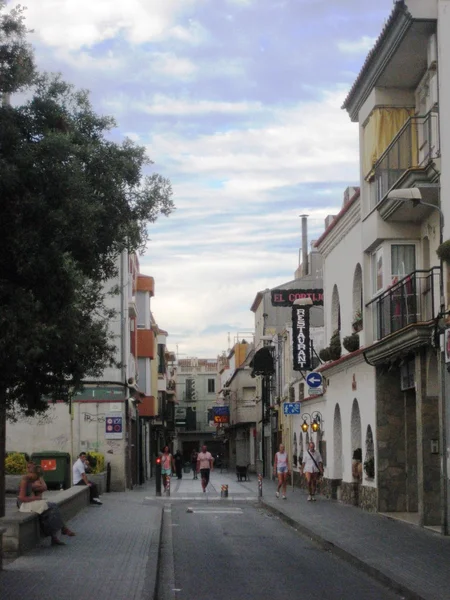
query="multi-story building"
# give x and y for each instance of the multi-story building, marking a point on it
(273, 316)
(239, 394)
(197, 387)
(114, 414)
(383, 278)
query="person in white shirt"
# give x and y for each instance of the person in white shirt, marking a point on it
(80, 478)
(281, 469)
(312, 467)
(205, 463)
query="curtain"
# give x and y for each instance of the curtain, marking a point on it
(403, 259)
(381, 128)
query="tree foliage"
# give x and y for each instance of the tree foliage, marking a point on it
(71, 201)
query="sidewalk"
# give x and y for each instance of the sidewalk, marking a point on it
(411, 560)
(113, 556)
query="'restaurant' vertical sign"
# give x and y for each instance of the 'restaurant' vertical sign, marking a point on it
(301, 341)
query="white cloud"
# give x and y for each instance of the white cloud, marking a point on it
(309, 142)
(360, 46)
(166, 105)
(170, 65)
(81, 23)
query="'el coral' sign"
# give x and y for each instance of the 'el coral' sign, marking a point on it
(287, 297)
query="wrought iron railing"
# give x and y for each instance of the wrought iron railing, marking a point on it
(413, 299)
(415, 145)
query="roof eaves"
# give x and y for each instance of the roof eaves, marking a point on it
(400, 9)
(338, 217)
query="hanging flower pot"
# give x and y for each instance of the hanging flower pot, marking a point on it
(351, 342)
(443, 251)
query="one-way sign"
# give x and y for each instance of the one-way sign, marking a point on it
(291, 408)
(314, 380)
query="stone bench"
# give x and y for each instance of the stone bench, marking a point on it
(22, 530)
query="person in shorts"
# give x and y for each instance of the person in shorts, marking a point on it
(312, 467)
(167, 463)
(281, 470)
(205, 463)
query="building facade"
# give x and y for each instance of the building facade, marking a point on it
(386, 392)
(197, 387)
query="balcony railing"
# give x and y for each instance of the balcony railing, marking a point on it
(413, 299)
(414, 146)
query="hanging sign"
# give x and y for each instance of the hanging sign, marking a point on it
(301, 341)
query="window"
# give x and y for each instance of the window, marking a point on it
(211, 386)
(403, 260)
(377, 270)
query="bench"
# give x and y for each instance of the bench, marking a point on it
(242, 473)
(22, 530)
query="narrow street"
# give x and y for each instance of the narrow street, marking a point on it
(237, 550)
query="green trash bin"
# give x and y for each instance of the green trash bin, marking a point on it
(187, 467)
(56, 468)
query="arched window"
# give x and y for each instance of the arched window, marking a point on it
(335, 311)
(357, 298)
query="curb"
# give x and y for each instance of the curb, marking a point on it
(157, 551)
(345, 555)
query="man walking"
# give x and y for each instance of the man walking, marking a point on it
(205, 463)
(80, 478)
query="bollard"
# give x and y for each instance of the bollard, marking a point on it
(158, 476)
(260, 482)
(224, 491)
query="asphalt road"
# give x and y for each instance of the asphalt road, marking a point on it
(242, 552)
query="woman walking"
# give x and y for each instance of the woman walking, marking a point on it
(167, 463)
(312, 467)
(281, 469)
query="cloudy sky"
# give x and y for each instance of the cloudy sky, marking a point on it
(238, 103)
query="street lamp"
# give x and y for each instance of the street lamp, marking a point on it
(414, 195)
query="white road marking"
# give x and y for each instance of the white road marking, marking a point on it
(218, 511)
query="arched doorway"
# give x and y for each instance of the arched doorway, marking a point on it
(369, 456)
(338, 466)
(355, 426)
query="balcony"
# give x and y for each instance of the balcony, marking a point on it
(411, 151)
(413, 299)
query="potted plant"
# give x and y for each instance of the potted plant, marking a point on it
(324, 355)
(335, 346)
(351, 342)
(357, 321)
(369, 467)
(443, 251)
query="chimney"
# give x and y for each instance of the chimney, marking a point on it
(304, 244)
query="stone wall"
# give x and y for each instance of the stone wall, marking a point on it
(22, 530)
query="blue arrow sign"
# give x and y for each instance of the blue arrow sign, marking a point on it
(314, 380)
(291, 408)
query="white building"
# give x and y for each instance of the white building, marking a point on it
(382, 277)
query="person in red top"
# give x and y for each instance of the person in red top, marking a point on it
(205, 463)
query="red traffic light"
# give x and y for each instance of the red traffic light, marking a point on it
(158, 461)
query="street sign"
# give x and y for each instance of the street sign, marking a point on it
(291, 408)
(113, 426)
(316, 391)
(314, 380)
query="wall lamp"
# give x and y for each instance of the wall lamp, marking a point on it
(313, 421)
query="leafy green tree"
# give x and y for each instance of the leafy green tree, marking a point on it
(71, 201)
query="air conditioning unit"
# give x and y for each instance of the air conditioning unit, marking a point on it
(432, 52)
